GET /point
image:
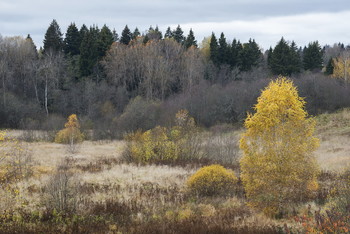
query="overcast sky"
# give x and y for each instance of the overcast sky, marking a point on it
(266, 21)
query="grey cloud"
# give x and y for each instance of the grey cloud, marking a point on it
(19, 17)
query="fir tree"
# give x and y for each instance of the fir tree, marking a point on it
(329, 67)
(190, 40)
(136, 33)
(72, 41)
(178, 35)
(168, 33)
(115, 35)
(223, 50)
(284, 59)
(105, 41)
(89, 51)
(213, 48)
(250, 56)
(313, 57)
(235, 55)
(126, 36)
(53, 38)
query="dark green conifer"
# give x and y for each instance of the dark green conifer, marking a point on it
(178, 35)
(190, 40)
(72, 40)
(53, 38)
(214, 50)
(126, 36)
(313, 57)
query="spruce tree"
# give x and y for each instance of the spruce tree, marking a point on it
(126, 36)
(329, 67)
(284, 59)
(115, 35)
(223, 50)
(168, 33)
(235, 54)
(190, 40)
(250, 55)
(213, 48)
(105, 41)
(295, 64)
(136, 33)
(72, 40)
(313, 57)
(89, 51)
(178, 35)
(53, 38)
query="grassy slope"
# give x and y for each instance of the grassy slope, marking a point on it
(333, 131)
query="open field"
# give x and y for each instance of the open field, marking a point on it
(108, 195)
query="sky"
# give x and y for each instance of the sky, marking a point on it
(266, 21)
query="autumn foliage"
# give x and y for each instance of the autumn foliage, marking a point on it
(212, 180)
(165, 145)
(277, 167)
(71, 133)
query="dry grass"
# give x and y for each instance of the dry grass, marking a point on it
(333, 131)
(154, 197)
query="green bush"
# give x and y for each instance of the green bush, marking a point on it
(212, 180)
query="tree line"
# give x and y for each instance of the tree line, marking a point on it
(106, 79)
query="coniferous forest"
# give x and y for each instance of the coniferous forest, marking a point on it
(120, 82)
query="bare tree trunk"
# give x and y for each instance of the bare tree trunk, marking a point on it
(46, 87)
(4, 90)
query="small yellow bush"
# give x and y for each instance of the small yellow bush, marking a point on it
(71, 133)
(153, 146)
(212, 180)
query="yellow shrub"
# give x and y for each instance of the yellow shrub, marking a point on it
(211, 180)
(71, 133)
(153, 146)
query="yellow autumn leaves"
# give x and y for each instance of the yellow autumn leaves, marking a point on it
(277, 167)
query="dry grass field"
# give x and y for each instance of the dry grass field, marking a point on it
(107, 195)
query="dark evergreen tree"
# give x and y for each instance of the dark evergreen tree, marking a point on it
(250, 56)
(168, 33)
(136, 33)
(154, 34)
(223, 50)
(89, 51)
(295, 64)
(235, 54)
(145, 39)
(313, 57)
(72, 40)
(214, 49)
(284, 59)
(126, 36)
(178, 35)
(105, 41)
(115, 35)
(329, 67)
(190, 40)
(53, 38)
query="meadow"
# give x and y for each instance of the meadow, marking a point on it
(97, 190)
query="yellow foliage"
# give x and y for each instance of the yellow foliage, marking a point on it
(211, 180)
(153, 146)
(341, 68)
(71, 133)
(164, 144)
(277, 166)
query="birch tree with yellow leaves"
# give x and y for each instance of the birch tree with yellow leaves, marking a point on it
(278, 168)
